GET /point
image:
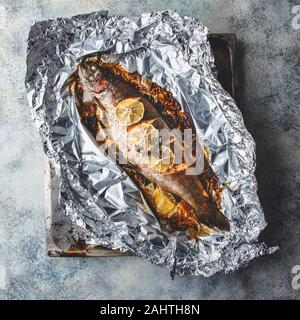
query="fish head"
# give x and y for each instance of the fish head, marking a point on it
(91, 75)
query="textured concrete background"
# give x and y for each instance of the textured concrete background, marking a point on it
(269, 99)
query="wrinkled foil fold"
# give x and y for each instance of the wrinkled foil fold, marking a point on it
(103, 204)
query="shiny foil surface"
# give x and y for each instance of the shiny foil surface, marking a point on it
(105, 206)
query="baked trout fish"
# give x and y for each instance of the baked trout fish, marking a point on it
(123, 110)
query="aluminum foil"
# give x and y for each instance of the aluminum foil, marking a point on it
(104, 205)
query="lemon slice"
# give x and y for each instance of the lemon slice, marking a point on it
(165, 162)
(142, 136)
(129, 111)
(163, 202)
(150, 187)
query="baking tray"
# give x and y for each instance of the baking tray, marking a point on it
(59, 241)
(224, 46)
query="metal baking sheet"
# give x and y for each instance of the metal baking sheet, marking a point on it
(59, 240)
(224, 47)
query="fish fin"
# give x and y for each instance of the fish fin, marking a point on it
(221, 222)
(215, 220)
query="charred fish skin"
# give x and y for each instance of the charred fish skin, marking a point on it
(102, 89)
(179, 220)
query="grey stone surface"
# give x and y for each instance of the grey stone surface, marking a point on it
(269, 96)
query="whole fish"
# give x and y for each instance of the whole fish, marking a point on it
(177, 198)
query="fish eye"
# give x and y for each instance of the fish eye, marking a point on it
(93, 67)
